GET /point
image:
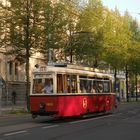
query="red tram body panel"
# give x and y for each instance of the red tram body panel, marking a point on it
(71, 105)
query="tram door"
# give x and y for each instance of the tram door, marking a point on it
(61, 83)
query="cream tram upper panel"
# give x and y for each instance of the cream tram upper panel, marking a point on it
(86, 71)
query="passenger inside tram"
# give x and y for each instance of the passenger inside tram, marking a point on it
(93, 90)
(48, 88)
(38, 86)
(100, 87)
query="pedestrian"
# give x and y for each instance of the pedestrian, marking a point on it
(48, 87)
(14, 97)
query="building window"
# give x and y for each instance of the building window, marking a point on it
(16, 68)
(10, 67)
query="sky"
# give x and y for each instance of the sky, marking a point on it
(132, 6)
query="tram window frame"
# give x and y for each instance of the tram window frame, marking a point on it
(83, 83)
(97, 85)
(59, 83)
(37, 86)
(87, 84)
(93, 88)
(72, 83)
(40, 83)
(101, 82)
(93, 84)
(108, 86)
(67, 83)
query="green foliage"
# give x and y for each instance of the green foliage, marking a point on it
(91, 42)
(117, 39)
(90, 34)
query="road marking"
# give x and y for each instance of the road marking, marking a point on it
(91, 119)
(52, 126)
(14, 133)
(117, 114)
(133, 112)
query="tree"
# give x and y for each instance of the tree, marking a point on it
(91, 22)
(29, 25)
(114, 37)
(134, 63)
(22, 31)
(117, 40)
(72, 12)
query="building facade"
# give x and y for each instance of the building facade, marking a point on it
(14, 76)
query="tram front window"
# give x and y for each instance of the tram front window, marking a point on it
(44, 85)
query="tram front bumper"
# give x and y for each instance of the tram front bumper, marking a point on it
(43, 112)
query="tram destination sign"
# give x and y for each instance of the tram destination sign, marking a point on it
(42, 76)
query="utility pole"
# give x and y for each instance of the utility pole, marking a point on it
(126, 76)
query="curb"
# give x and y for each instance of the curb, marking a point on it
(13, 116)
(13, 111)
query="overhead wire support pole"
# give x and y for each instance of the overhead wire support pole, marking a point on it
(126, 74)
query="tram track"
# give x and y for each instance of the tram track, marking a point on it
(48, 123)
(45, 124)
(122, 116)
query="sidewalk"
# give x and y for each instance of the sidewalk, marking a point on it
(10, 110)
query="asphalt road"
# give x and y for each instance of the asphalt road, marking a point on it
(123, 124)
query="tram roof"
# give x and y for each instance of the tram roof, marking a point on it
(69, 68)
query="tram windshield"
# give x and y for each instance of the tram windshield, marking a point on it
(42, 85)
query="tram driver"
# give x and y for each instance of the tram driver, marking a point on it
(48, 86)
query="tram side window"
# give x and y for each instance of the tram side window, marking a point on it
(37, 86)
(59, 83)
(86, 86)
(93, 87)
(72, 83)
(62, 83)
(66, 83)
(89, 86)
(83, 86)
(106, 87)
(99, 85)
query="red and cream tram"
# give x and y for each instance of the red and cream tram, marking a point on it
(74, 91)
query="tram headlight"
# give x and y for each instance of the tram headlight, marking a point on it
(42, 105)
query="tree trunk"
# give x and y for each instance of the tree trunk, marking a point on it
(115, 79)
(27, 46)
(126, 77)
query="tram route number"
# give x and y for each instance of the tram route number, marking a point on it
(84, 103)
